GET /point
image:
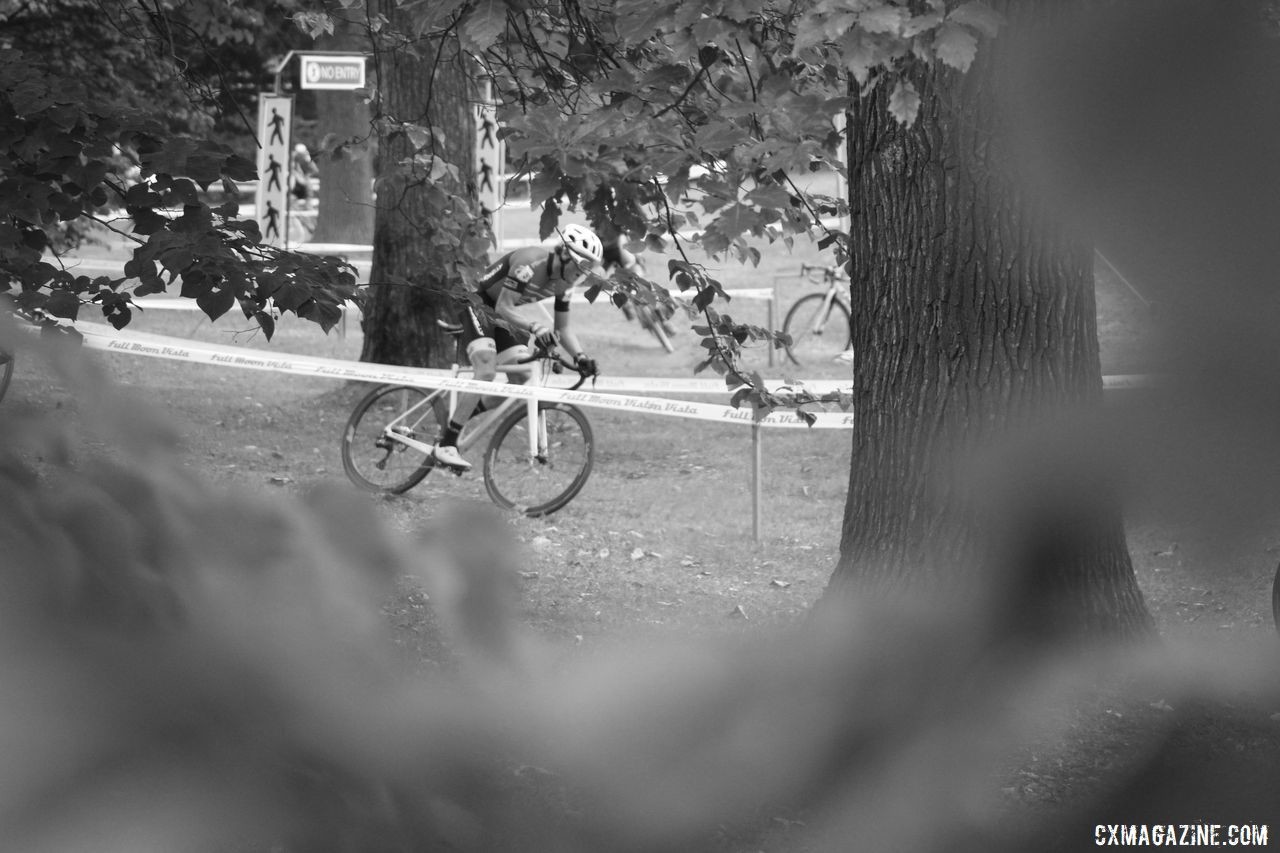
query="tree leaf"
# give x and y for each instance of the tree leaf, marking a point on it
(883, 19)
(483, 24)
(904, 103)
(955, 46)
(979, 16)
(215, 302)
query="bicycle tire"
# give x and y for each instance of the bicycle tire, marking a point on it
(812, 338)
(538, 487)
(6, 371)
(387, 466)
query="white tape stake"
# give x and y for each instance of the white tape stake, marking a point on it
(756, 457)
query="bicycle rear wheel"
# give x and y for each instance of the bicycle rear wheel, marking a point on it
(373, 459)
(541, 482)
(819, 330)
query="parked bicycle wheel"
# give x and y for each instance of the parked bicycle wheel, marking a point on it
(378, 463)
(6, 371)
(544, 482)
(819, 326)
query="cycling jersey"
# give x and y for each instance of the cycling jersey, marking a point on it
(530, 273)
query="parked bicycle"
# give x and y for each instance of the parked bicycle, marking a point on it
(820, 323)
(539, 454)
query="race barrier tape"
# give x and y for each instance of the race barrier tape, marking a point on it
(104, 338)
(608, 392)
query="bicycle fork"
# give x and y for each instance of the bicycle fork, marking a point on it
(824, 313)
(537, 432)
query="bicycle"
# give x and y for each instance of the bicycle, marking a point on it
(820, 324)
(539, 455)
(652, 321)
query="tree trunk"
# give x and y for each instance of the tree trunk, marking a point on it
(345, 214)
(973, 311)
(413, 269)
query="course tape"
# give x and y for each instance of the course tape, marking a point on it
(97, 336)
(104, 338)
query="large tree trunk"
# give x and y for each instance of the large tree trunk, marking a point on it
(411, 276)
(345, 214)
(973, 310)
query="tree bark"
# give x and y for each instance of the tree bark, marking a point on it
(413, 270)
(973, 312)
(345, 213)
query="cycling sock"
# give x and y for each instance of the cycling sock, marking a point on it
(450, 436)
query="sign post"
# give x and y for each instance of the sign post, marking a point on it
(490, 161)
(275, 131)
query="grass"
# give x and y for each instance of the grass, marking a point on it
(660, 543)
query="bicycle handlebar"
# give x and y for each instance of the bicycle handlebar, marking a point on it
(553, 355)
(828, 272)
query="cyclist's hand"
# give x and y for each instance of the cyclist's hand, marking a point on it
(545, 338)
(586, 366)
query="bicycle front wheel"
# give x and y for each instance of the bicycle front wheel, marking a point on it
(538, 476)
(819, 330)
(373, 457)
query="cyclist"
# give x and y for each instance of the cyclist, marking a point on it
(618, 258)
(513, 288)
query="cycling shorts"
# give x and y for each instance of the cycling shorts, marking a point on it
(478, 324)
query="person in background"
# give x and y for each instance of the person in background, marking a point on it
(617, 258)
(301, 170)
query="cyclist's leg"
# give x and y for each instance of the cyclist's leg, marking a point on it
(478, 337)
(510, 350)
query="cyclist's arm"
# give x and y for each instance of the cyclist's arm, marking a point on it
(523, 316)
(568, 340)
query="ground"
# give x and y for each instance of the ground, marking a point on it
(661, 540)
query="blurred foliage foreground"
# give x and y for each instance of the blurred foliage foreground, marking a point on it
(189, 668)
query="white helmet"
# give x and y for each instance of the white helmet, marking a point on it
(583, 242)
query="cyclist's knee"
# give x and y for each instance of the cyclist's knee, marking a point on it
(484, 358)
(511, 355)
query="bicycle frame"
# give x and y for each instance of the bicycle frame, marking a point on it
(824, 314)
(480, 424)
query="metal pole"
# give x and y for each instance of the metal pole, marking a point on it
(769, 318)
(284, 63)
(755, 482)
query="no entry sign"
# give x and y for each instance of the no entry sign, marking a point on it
(332, 72)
